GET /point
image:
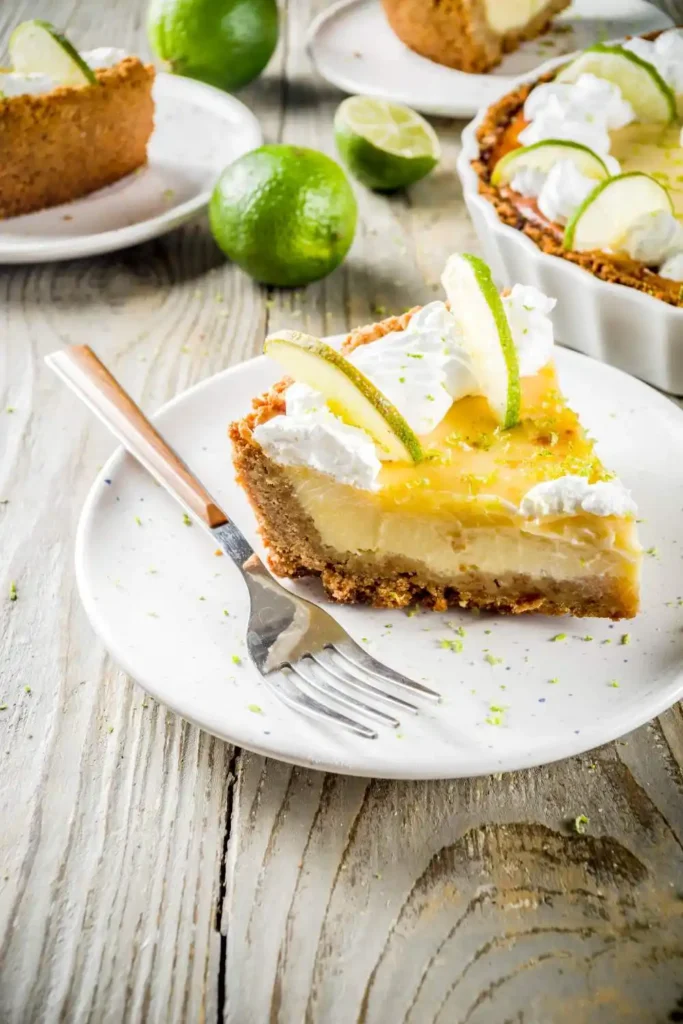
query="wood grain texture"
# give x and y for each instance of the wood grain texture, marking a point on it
(151, 873)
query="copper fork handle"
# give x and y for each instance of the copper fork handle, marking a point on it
(80, 368)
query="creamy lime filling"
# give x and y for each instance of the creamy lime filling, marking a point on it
(446, 548)
(507, 15)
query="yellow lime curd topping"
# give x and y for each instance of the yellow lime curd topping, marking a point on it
(468, 456)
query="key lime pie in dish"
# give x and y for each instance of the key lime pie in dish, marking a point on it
(70, 123)
(470, 35)
(588, 163)
(435, 459)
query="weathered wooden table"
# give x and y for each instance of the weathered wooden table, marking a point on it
(151, 873)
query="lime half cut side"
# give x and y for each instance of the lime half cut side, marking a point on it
(36, 46)
(385, 145)
(478, 308)
(348, 392)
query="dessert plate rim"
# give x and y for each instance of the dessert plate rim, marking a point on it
(453, 93)
(109, 542)
(53, 247)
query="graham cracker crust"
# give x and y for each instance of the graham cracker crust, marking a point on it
(75, 139)
(509, 208)
(457, 32)
(295, 548)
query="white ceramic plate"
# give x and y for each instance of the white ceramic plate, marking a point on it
(353, 47)
(156, 593)
(198, 131)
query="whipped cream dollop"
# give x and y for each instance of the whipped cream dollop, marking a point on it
(665, 53)
(527, 311)
(672, 267)
(653, 238)
(559, 192)
(568, 495)
(310, 435)
(585, 112)
(34, 84)
(421, 370)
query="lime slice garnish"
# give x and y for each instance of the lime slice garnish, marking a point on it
(639, 81)
(36, 46)
(542, 156)
(385, 145)
(486, 334)
(348, 392)
(604, 216)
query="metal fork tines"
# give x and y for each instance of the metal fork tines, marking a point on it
(314, 666)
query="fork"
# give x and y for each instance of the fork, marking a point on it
(303, 654)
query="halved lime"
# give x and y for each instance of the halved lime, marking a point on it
(37, 46)
(542, 156)
(486, 333)
(639, 81)
(385, 145)
(604, 216)
(349, 393)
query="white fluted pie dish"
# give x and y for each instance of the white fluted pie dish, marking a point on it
(612, 322)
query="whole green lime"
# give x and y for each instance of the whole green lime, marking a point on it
(285, 214)
(223, 42)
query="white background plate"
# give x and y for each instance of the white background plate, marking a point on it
(353, 47)
(156, 593)
(198, 130)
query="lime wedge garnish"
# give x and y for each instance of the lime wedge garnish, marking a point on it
(36, 46)
(486, 334)
(604, 216)
(639, 81)
(542, 156)
(348, 392)
(385, 145)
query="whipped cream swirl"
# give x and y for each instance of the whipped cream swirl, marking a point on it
(653, 238)
(585, 112)
(568, 495)
(558, 193)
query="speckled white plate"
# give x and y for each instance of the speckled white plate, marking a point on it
(353, 47)
(198, 130)
(157, 596)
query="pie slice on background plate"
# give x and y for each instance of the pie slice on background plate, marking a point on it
(437, 461)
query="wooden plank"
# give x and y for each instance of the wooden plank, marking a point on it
(113, 811)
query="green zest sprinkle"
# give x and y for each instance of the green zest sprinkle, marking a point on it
(3, 707)
(10, 409)
(186, 519)
(13, 591)
(554, 680)
(255, 708)
(430, 398)
(492, 660)
(580, 823)
(613, 683)
(625, 639)
(496, 715)
(138, 520)
(27, 689)
(414, 355)
(558, 636)
(226, 612)
(451, 645)
(236, 660)
(587, 638)
(401, 380)
(653, 552)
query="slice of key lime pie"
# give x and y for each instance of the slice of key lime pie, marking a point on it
(436, 459)
(588, 162)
